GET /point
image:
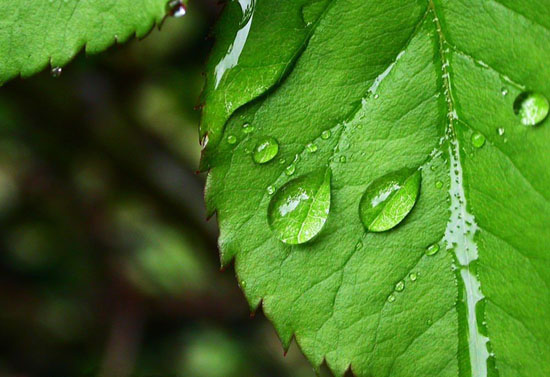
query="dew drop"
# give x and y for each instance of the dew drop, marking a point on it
(270, 190)
(325, 135)
(389, 199)
(432, 249)
(282, 161)
(391, 298)
(500, 131)
(504, 91)
(359, 245)
(298, 210)
(265, 150)
(176, 8)
(400, 286)
(247, 128)
(413, 276)
(438, 184)
(311, 148)
(55, 72)
(532, 108)
(290, 169)
(231, 139)
(478, 140)
(343, 159)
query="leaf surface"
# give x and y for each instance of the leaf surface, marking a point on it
(38, 34)
(376, 87)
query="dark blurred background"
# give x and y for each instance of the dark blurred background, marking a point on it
(107, 264)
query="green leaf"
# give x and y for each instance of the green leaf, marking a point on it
(38, 34)
(369, 88)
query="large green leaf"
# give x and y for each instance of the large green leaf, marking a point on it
(417, 84)
(35, 34)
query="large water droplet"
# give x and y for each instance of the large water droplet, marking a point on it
(176, 8)
(389, 199)
(400, 286)
(311, 148)
(298, 210)
(265, 150)
(532, 108)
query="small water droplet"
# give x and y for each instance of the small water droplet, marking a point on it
(243, 284)
(343, 159)
(432, 249)
(376, 96)
(270, 190)
(478, 140)
(176, 8)
(389, 199)
(311, 148)
(298, 210)
(326, 134)
(231, 139)
(500, 131)
(429, 322)
(400, 286)
(56, 72)
(438, 184)
(282, 161)
(391, 298)
(532, 108)
(247, 128)
(504, 91)
(290, 169)
(266, 150)
(413, 276)
(359, 245)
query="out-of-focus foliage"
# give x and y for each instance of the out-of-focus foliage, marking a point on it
(108, 266)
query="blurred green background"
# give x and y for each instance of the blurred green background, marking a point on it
(108, 266)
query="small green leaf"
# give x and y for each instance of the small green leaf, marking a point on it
(389, 199)
(37, 34)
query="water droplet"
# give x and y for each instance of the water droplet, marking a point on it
(176, 8)
(326, 134)
(270, 190)
(298, 210)
(290, 169)
(247, 128)
(265, 150)
(311, 148)
(429, 322)
(282, 161)
(243, 284)
(343, 159)
(532, 108)
(504, 91)
(478, 140)
(413, 276)
(432, 249)
(391, 298)
(400, 286)
(376, 96)
(56, 72)
(438, 184)
(389, 199)
(231, 139)
(500, 131)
